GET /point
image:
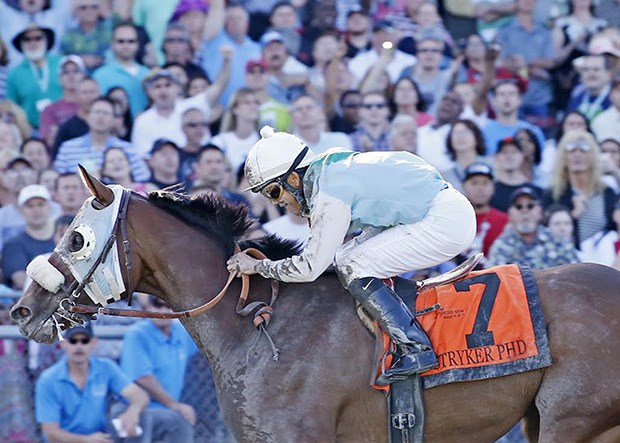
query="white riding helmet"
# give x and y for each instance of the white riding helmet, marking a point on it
(272, 156)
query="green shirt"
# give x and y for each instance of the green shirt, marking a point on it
(33, 88)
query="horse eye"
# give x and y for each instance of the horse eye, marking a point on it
(76, 242)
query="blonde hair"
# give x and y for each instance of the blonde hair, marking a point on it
(8, 153)
(229, 120)
(561, 178)
(21, 121)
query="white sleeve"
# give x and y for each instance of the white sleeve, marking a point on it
(199, 101)
(329, 220)
(140, 137)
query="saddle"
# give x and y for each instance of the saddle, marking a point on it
(405, 398)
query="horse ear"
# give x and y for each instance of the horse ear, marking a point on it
(103, 194)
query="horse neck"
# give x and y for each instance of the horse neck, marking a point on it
(186, 268)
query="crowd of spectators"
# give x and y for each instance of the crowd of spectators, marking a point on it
(515, 102)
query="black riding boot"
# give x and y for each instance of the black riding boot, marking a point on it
(415, 353)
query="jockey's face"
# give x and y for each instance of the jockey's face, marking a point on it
(289, 202)
(279, 195)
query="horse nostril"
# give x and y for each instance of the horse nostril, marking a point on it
(20, 313)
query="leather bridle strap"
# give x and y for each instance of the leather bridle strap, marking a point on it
(245, 289)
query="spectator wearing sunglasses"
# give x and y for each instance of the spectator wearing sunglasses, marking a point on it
(432, 81)
(155, 356)
(72, 396)
(348, 116)
(374, 126)
(577, 184)
(35, 89)
(525, 241)
(123, 70)
(409, 218)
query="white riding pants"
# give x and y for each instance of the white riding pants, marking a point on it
(447, 229)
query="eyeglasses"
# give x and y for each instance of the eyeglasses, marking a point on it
(85, 7)
(351, 105)
(69, 71)
(84, 341)
(273, 191)
(175, 40)
(158, 304)
(122, 41)
(430, 50)
(373, 105)
(34, 38)
(195, 125)
(577, 145)
(528, 206)
(7, 116)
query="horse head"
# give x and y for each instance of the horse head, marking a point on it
(83, 268)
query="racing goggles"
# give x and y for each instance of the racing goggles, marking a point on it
(273, 191)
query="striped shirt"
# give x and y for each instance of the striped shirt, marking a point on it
(80, 151)
(4, 78)
(593, 219)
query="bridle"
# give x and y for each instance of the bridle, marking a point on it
(76, 287)
(51, 279)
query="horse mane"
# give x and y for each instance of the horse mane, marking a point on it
(227, 222)
(274, 247)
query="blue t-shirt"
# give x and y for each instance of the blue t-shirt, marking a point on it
(212, 61)
(147, 351)
(113, 74)
(81, 411)
(20, 250)
(493, 132)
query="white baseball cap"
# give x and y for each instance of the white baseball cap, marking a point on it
(75, 59)
(33, 191)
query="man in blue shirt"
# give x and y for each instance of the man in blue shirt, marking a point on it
(37, 238)
(124, 70)
(506, 99)
(155, 356)
(72, 395)
(528, 44)
(233, 33)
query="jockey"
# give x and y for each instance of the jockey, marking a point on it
(409, 218)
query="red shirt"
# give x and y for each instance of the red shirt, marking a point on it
(493, 221)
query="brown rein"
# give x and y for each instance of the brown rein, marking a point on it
(265, 315)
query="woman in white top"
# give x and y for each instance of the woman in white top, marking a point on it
(603, 247)
(238, 132)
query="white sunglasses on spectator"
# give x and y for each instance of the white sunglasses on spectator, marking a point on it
(577, 145)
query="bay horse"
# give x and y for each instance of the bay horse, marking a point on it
(318, 390)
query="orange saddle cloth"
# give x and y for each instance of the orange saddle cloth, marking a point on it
(489, 324)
